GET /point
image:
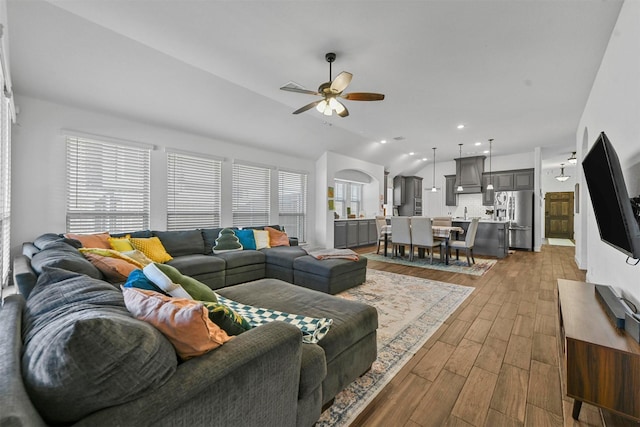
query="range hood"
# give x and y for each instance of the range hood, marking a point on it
(469, 172)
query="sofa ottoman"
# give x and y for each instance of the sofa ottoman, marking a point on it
(349, 346)
(329, 275)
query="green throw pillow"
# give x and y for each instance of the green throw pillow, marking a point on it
(227, 319)
(198, 290)
(227, 241)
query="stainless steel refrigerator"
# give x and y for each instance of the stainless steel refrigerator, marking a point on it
(520, 213)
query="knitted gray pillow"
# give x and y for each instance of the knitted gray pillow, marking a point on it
(83, 351)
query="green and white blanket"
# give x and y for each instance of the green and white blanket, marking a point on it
(313, 329)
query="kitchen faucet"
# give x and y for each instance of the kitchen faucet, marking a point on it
(465, 212)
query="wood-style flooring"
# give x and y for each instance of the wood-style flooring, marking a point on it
(495, 361)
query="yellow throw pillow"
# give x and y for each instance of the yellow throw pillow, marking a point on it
(152, 248)
(184, 322)
(111, 253)
(121, 244)
(262, 238)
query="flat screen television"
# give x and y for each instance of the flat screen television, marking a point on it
(617, 222)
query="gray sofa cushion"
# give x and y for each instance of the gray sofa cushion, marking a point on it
(43, 240)
(180, 243)
(283, 255)
(196, 265)
(62, 255)
(243, 258)
(83, 351)
(141, 234)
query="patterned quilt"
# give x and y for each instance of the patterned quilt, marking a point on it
(313, 329)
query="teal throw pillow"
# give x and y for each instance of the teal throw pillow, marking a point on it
(227, 242)
(227, 319)
(246, 238)
(137, 279)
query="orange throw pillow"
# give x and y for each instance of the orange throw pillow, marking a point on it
(183, 321)
(100, 240)
(277, 238)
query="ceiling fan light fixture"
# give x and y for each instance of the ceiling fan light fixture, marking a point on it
(321, 106)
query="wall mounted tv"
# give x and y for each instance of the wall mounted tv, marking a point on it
(617, 221)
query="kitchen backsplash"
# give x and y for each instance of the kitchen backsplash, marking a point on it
(473, 202)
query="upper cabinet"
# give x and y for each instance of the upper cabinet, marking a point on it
(469, 174)
(450, 196)
(399, 191)
(514, 180)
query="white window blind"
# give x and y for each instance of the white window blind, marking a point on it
(5, 187)
(107, 186)
(193, 193)
(292, 201)
(251, 195)
(348, 198)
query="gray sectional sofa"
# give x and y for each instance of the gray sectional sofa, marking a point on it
(115, 370)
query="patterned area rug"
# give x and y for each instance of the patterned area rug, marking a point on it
(480, 267)
(410, 310)
(559, 242)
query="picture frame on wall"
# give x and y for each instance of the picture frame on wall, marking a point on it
(330, 192)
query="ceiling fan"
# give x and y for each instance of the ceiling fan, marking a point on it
(332, 90)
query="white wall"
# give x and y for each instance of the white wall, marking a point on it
(38, 164)
(613, 107)
(326, 169)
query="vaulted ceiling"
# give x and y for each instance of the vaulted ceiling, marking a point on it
(516, 71)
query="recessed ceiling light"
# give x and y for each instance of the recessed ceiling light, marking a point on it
(460, 126)
(411, 153)
(384, 141)
(478, 143)
(485, 152)
(424, 159)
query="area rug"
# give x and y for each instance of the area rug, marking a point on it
(480, 267)
(560, 242)
(410, 310)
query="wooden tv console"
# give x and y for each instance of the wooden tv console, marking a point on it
(602, 363)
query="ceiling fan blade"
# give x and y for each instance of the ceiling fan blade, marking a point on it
(341, 82)
(363, 96)
(307, 107)
(298, 90)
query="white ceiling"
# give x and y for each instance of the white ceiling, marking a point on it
(516, 71)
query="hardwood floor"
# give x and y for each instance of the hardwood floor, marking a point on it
(495, 361)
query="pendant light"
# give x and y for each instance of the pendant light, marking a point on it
(490, 186)
(562, 177)
(433, 189)
(459, 189)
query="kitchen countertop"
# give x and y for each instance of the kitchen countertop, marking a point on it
(353, 219)
(487, 220)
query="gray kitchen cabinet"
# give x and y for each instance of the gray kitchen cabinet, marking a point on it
(488, 196)
(469, 172)
(373, 232)
(503, 181)
(352, 234)
(363, 232)
(399, 191)
(340, 234)
(450, 196)
(523, 179)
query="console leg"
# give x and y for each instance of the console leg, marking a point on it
(577, 405)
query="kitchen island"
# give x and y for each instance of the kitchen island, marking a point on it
(492, 237)
(353, 232)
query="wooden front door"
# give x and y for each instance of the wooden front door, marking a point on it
(558, 215)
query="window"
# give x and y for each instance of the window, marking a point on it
(251, 195)
(107, 186)
(348, 198)
(292, 200)
(193, 193)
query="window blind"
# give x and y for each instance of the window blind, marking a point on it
(5, 187)
(107, 186)
(292, 202)
(251, 195)
(193, 193)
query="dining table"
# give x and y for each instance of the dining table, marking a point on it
(439, 231)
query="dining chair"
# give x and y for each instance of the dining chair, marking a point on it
(467, 243)
(422, 236)
(384, 230)
(401, 234)
(444, 221)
